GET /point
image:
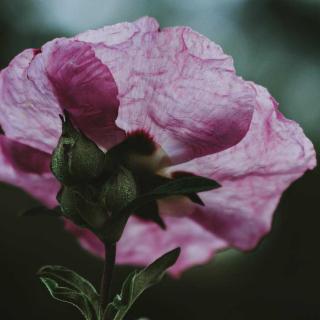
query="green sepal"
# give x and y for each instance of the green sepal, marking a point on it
(67, 286)
(150, 212)
(118, 191)
(78, 204)
(60, 157)
(175, 187)
(76, 158)
(87, 161)
(136, 283)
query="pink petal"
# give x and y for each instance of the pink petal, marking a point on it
(253, 174)
(66, 74)
(28, 107)
(85, 88)
(28, 168)
(144, 242)
(25, 158)
(176, 85)
(181, 89)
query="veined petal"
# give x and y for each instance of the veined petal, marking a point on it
(181, 89)
(85, 88)
(176, 85)
(65, 75)
(253, 175)
(29, 109)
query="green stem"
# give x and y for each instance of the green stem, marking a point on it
(109, 262)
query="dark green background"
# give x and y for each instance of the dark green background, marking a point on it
(274, 43)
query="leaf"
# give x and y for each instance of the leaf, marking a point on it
(182, 186)
(67, 286)
(137, 283)
(41, 211)
(72, 297)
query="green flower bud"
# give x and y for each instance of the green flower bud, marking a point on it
(118, 191)
(77, 204)
(86, 159)
(76, 158)
(69, 209)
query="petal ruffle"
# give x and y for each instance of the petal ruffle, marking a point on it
(143, 242)
(28, 168)
(29, 110)
(85, 88)
(65, 74)
(253, 174)
(176, 85)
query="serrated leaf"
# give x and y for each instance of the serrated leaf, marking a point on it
(67, 286)
(137, 283)
(182, 186)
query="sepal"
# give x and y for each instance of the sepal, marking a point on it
(76, 158)
(118, 191)
(175, 187)
(79, 204)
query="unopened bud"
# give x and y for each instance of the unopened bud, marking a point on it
(86, 159)
(76, 158)
(79, 206)
(118, 191)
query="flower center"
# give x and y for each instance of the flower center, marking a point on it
(147, 161)
(140, 154)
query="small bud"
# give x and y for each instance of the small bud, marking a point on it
(76, 158)
(67, 200)
(86, 159)
(78, 205)
(118, 191)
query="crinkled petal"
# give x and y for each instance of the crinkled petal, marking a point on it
(253, 175)
(28, 168)
(143, 242)
(85, 88)
(180, 88)
(39, 84)
(176, 85)
(29, 110)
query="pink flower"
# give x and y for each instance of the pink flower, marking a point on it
(180, 89)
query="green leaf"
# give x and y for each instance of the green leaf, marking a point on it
(67, 286)
(137, 283)
(182, 186)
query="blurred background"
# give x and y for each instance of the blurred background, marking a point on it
(275, 43)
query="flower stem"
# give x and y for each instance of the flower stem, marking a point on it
(110, 257)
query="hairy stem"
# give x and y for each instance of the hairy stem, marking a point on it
(110, 257)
